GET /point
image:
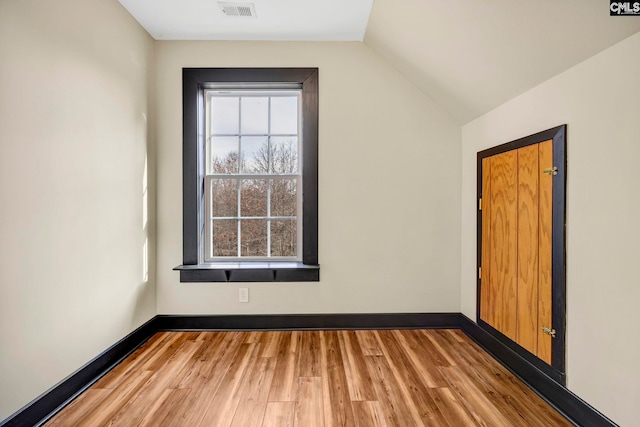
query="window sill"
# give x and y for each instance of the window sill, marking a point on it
(249, 271)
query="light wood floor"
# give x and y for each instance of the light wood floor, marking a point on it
(309, 378)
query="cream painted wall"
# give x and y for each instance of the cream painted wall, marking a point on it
(74, 136)
(389, 187)
(599, 100)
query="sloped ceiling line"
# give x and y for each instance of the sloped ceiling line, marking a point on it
(468, 56)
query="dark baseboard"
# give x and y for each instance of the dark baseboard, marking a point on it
(574, 408)
(44, 407)
(555, 374)
(309, 321)
(47, 404)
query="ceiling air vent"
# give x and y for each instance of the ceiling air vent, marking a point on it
(238, 10)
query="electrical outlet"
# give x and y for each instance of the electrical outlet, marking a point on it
(243, 295)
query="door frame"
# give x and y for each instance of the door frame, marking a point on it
(558, 251)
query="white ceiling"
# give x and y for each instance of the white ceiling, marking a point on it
(293, 20)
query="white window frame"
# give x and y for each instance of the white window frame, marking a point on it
(244, 90)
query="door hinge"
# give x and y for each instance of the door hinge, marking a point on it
(480, 204)
(479, 272)
(549, 331)
(551, 171)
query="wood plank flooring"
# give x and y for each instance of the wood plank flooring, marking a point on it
(363, 378)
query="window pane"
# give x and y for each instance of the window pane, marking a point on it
(284, 237)
(255, 154)
(224, 154)
(225, 237)
(284, 154)
(224, 115)
(283, 197)
(284, 115)
(224, 197)
(255, 115)
(254, 237)
(253, 197)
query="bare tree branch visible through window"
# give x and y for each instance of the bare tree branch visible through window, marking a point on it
(259, 203)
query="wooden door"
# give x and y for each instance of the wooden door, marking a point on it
(516, 263)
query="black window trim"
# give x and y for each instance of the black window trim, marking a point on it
(194, 83)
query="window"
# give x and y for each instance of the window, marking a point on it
(253, 178)
(250, 174)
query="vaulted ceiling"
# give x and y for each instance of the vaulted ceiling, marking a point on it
(469, 56)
